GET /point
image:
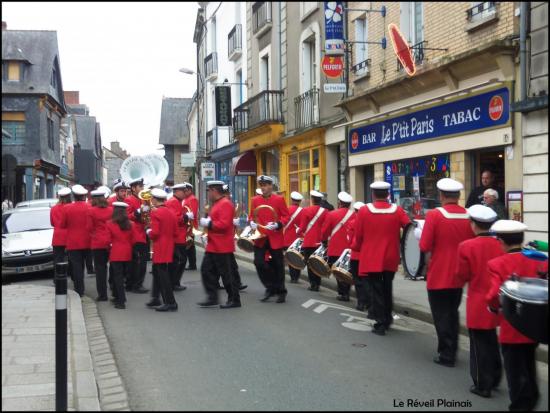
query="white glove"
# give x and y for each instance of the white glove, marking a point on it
(148, 231)
(417, 233)
(236, 222)
(205, 222)
(145, 208)
(272, 226)
(253, 225)
(204, 239)
(297, 231)
(190, 215)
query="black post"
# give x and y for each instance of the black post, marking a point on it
(61, 336)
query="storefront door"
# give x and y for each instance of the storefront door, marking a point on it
(492, 160)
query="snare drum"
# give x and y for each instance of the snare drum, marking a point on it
(341, 269)
(318, 262)
(412, 258)
(244, 242)
(294, 255)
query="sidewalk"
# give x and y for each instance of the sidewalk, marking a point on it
(410, 298)
(28, 351)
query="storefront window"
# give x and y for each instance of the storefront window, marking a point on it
(240, 195)
(270, 166)
(414, 182)
(304, 174)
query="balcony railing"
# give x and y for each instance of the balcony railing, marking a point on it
(361, 68)
(211, 65)
(215, 138)
(234, 42)
(265, 107)
(306, 109)
(261, 16)
(481, 11)
(418, 53)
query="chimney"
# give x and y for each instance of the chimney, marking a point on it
(4, 26)
(72, 97)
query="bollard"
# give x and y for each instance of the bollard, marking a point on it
(61, 336)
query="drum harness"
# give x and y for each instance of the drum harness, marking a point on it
(314, 220)
(292, 218)
(341, 223)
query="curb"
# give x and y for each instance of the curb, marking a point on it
(112, 393)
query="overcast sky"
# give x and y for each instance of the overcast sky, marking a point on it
(122, 57)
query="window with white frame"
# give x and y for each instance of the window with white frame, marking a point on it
(481, 10)
(213, 35)
(361, 49)
(309, 64)
(264, 72)
(412, 21)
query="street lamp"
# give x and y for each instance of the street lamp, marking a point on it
(187, 71)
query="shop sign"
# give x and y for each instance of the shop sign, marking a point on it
(462, 116)
(334, 88)
(187, 160)
(334, 28)
(332, 66)
(223, 105)
(208, 171)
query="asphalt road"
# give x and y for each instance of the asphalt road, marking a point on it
(311, 353)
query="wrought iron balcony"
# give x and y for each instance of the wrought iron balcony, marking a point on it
(306, 109)
(216, 138)
(418, 52)
(211, 65)
(265, 107)
(481, 11)
(234, 43)
(361, 68)
(261, 17)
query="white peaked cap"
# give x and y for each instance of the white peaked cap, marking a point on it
(179, 186)
(79, 190)
(380, 185)
(296, 196)
(98, 192)
(106, 189)
(345, 197)
(265, 178)
(358, 205)
(211, 183)
(449, 185)
(120, 204)
(259, 191)
(508, 226)
(482, 213)
(315, 194)
(159, 193)
(64, 191)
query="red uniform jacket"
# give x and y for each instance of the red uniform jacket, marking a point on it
(277, 202)
(192, 203)
(139, 229)
(113, 198)
(59, 238)
(121, 242)
(500, 269)
(340, 240)
(441, 237)
(99, 235)
(164, 229)
(355, 254)
(313, 237)
(290, 232)
(473, 256)
(221, 234)
(76, 218)
(175, 205)
(377, 236)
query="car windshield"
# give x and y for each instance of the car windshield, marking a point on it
(27, 221)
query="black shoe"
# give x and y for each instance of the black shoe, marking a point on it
(360, 307)
(167, 307)
(479, 392)
(242, 286)
(231, 304)
(266, 297)
(379, 331)
(208, 303)
(102, 299)
(313, 288)
(128, 288)
(221, 287)
(140, 290)
(153, 303)
(370, 316)
(294, 281)
(120, 306)
(191, 268)
(113, 300)
(281, 298)
(343, 298)
(180, 287)
(443, 362)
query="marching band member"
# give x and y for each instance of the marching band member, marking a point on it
(289, 231)
(219, 249)
(234, 265)
(311, 223)
(120, 256)
(178, 266)
(77, 221)
(101, 213)
(362, 289)
(473, 255)
(119, 192)
(191, 201)
(163, 232)
(272, 273)
(445, 227)
(518, 351)
(139, 250)
(334, 234)
(378, 227)
(59, 239)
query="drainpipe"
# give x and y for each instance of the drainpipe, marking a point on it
(525, 5)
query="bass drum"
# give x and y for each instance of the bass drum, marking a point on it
(524, 304)
(294, 255)
(318, 262)
(412, 258)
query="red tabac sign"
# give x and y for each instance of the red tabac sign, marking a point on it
(332, 66)
(402, 49)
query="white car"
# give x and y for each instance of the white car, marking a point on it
(26, 241)
(35, 203)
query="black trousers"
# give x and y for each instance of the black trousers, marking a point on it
(101, 256)
(191, 256)
(162, 284)
(343, 288)
(362, 287)
(111, 280)
(139, 264)
(485, 364)
(177, 267)
(381, 286)
(521, 375)
(89, 262)
(314, 279)
(77, 259)
(444, 306)
(213, 265)
(272, 274)
(120, 271)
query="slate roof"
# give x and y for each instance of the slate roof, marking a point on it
(85, 131)
(173, 121)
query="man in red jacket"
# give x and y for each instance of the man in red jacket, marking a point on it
(445, 227)
(334, 234)
(272, 273)
(289, 231)
(311, 223)
(378, 227)
(59, 238)
(178, 265)
(119, 192)
(163, 232)
(518, 351)
(189, 200)
(76, 219)
(219, 248)
(473, 255)
(362, 289)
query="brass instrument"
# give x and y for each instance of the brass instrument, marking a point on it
(145, 195)
(236, 215)
(190, 236)
(248, 235)
(204, 232)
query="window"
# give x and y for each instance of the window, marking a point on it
(269, 165)
(53, 81)
(309, 65)
(481, 10)
(50, 134)
(307, 7)
(264, 72)
(14, 71)
(13, 123)
(412, 22)
(213, 34)
(361, 51)
(239, 81)
(304, 173)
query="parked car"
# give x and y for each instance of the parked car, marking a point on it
(26, 241)
(36, 203)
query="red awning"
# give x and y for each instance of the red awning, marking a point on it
(244, 164)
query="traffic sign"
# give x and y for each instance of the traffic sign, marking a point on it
(332, 66)
(402, 49)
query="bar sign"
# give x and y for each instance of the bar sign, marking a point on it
(223, 105)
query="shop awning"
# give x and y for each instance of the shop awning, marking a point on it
(244, 164)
